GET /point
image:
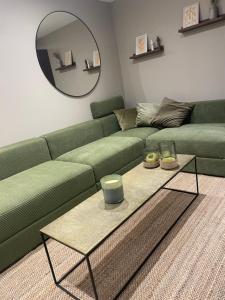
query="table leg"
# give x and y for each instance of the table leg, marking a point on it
(49, 259)
(196, 176)
(92, 277)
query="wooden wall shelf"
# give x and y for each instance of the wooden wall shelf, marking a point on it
(64, 68)
(91, 69)
(149, 53)
(203, 23)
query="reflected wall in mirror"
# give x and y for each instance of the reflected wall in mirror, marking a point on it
(68, 54)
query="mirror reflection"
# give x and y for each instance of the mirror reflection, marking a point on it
(68, 54)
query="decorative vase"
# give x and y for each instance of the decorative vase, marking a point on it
(168, 156)
(213, 11)
(151, 157)
(112, 187)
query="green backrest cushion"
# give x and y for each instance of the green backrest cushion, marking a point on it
(110, 124)
(208, 112)
(67, 139)
(21, 156)
(106, 107)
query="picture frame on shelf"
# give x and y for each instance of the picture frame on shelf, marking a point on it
(191, 15)
(87, 64)
(96, 59)
(68, 58)
(142, 44)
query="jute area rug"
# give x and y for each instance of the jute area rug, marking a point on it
(188, 264)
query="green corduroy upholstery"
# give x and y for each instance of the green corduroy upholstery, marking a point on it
(21, 156)
(32, 194)
(209, 112)
(139, 132)
(107, 155)
(67, 139)
(43, 189)
(208, 166)
(27, 239)
(109, 124)
(202, 141)
(106, 107)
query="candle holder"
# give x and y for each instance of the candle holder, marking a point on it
(168, 156)
(112, 187)
(151, 157)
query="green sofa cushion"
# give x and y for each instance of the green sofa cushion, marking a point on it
(21, 156)
(139, 132)
(109, 124)
(106, 107)
(208, 166)
(34, 193)
(203, 141)
(67, 139)
(208, 112)
(107, 155)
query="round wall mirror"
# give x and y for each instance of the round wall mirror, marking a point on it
(68, 54)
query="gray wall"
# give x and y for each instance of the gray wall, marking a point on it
(29, 105)
(193, 66)
(77, 38)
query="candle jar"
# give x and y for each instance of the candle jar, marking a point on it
(151, 157)
(112, 187)
(168, 156)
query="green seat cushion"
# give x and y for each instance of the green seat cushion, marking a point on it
(18, 157)
(106, 107)
(34, 193)
(67, 139)
(107, 155)
(203, 141)
(139, 132)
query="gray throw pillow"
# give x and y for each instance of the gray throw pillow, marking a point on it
(145, 113)
(126, 118)
(172, 114)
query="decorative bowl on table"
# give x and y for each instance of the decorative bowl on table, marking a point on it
(168, 156)
(151, 157)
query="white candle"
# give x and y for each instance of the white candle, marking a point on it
(112, 188)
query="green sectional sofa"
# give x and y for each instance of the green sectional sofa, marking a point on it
(86, 144)
(203, 135)
(42, 178)
(33, 191)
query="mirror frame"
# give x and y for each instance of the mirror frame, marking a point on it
(97, 81)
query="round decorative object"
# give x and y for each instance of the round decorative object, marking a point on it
(112, 187)
(151, 157)
(168, 156)
(68, 54)
(168, 164)
(151, 165)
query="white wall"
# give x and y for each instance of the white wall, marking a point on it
(29, 105)
(193, 66)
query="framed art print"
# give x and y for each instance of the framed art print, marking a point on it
(191, 15)
(96, 59)
(142, 44)
(68, 58)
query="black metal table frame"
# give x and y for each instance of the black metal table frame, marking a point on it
(86, 256)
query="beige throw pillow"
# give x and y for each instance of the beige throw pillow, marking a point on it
(126, 118)
(146, 112)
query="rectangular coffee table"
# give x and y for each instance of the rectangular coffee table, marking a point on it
(85, 227)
